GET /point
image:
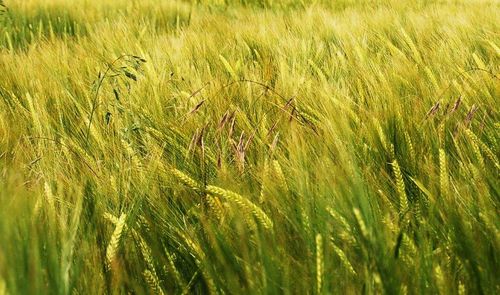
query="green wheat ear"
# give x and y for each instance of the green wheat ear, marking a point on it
(343, 258)
(114, 242)
(153, 282)
(281, 176)
(443, 174)
(264, 147)
(319, 263)
(243, 202)
(400, 188)
(185, 179)
(3, 287)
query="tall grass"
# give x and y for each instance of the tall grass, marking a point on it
(249, 147)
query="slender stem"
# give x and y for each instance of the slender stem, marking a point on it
(96, 97)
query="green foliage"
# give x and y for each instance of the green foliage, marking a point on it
(249, 147)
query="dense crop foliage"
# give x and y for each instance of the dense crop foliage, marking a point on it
(249, 147)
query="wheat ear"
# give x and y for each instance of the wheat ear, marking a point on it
(243, 203)
(114, 242)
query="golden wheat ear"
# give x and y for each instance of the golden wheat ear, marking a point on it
(115, 240)
(244, 203)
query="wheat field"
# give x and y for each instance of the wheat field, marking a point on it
(249, 147)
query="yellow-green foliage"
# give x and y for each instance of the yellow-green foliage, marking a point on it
(249, 146)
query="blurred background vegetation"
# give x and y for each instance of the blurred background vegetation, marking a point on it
(256, 147)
